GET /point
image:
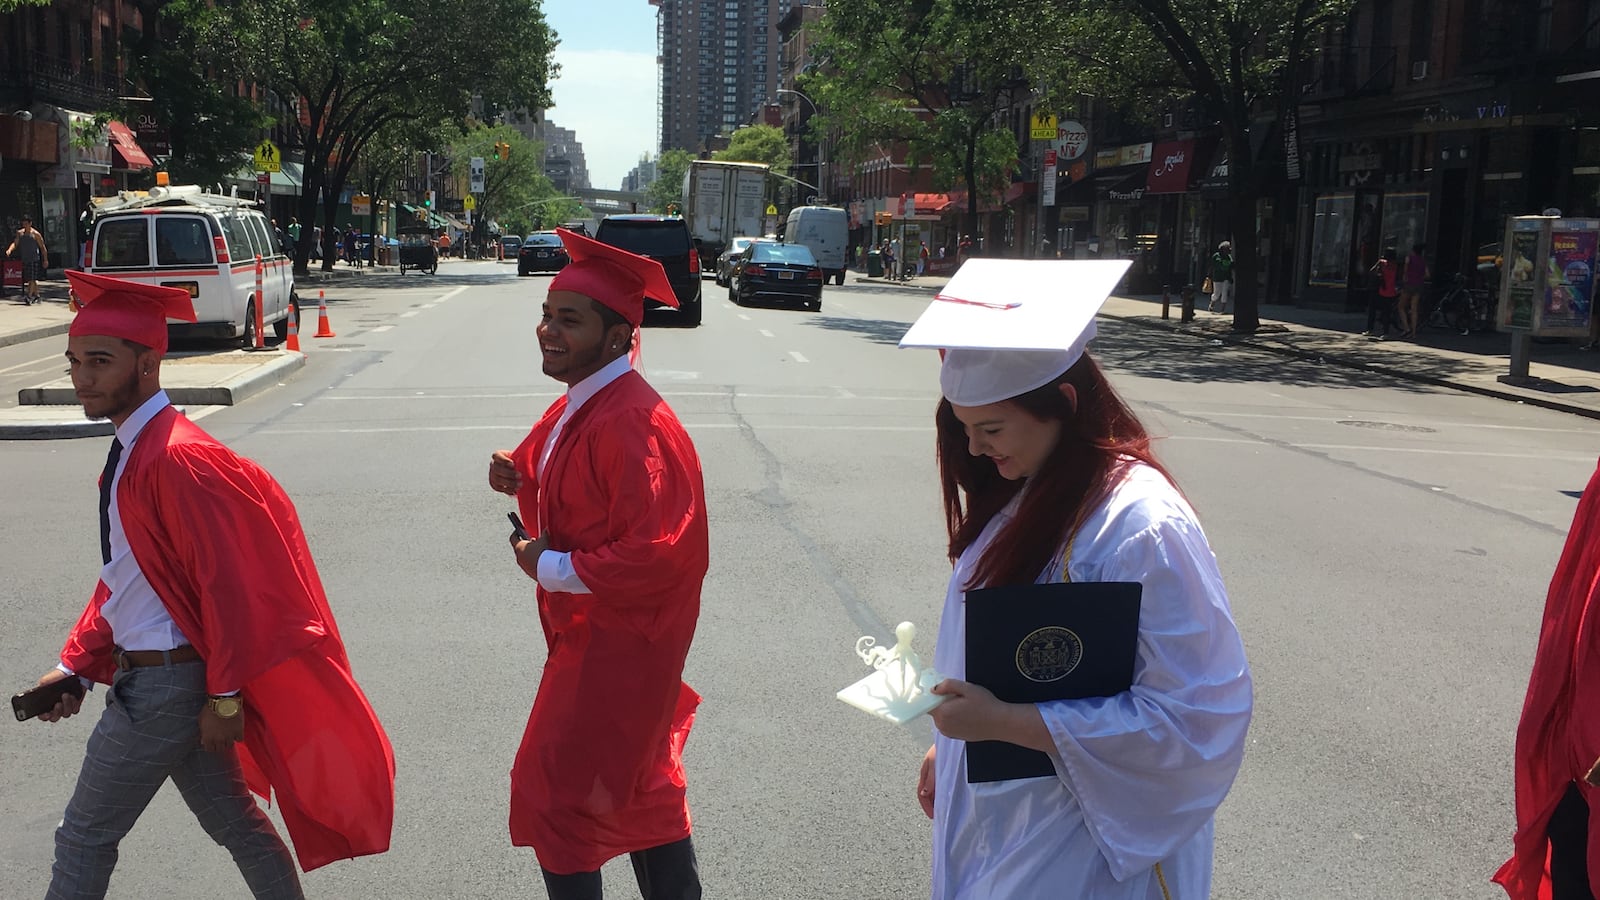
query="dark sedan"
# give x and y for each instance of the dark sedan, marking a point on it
(769, 270)
(541, 252)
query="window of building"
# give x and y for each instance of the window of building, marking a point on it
(1332, 226)
(1422, 34)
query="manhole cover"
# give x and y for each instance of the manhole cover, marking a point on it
(1387, 426)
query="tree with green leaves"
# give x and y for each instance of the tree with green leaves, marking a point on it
(671, 167)
(760, 144)
(933, 75)
(346, 69)
(511, 185)
(1237, 61)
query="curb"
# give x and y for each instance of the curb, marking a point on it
(1335, 359)
(65, 420)
(33, 334)
(227, 393)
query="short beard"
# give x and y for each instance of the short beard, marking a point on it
(122, 401)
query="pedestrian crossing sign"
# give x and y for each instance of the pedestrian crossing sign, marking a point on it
(268, 159)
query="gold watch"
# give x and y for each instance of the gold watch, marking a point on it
(226, 707)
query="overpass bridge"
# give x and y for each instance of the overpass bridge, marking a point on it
(603, 201)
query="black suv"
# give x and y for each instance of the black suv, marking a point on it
(666, 240)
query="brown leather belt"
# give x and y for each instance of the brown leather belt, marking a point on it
(138, 659)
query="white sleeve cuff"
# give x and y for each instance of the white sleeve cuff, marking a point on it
(87, 684)
(557, 574)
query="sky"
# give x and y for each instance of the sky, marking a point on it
(606, 91)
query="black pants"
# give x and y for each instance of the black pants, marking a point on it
(1569, 848)
(667, 872)
(1380, 310)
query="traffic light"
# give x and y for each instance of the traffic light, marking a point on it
(428, 200)
(502, 150)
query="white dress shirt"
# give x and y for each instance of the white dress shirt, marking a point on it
(138, 618)
(555, 567)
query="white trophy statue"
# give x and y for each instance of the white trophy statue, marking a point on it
(899, 689)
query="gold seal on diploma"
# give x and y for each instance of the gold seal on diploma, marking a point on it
(1049, 654)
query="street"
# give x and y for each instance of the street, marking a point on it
(1386, 545)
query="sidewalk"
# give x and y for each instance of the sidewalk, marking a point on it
(1562, 377)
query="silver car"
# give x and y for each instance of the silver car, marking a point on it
(725, 261)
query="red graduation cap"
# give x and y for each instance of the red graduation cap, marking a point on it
(114, 307)
(612, 276)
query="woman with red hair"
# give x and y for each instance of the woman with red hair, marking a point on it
(1048, 476)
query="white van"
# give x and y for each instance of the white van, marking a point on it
(825, 231)
(206, 243)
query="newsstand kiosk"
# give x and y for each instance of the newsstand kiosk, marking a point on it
(1547, 282)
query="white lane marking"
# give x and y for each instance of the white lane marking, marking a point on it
(744, 317)
(1335, 418)
(1361, 448)
(445, 297)
(766, 333)
(523, 427)
(738, 395)
(797, 356)
(57, 358)
(380, 329)
(428, 305)
(409, 313)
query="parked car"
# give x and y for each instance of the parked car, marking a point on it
(666, 240)
(770, 270)
(542, 252)
(510, 245)
(725, 258)
(180, 236)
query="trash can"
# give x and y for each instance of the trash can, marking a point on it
(874, 264)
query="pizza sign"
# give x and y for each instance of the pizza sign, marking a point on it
(1072, 140)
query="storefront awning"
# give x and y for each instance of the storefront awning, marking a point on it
(932, 204)
(126, 148)
(1125, 187)
(1170, 162)
(284, 183)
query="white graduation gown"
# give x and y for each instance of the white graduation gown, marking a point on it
(1139, 775)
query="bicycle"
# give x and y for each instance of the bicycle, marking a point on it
(1460, 308)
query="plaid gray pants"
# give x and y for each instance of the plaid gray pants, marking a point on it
(148, 733)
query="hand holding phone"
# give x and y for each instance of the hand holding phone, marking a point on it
(518, 532)
(43, 698)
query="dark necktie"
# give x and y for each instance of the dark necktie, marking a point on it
(107, 476)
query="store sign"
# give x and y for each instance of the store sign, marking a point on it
(152, 137)
(1071, 140)
(1134, 154)
(361, 205)
(1105, 159)
(1291, 144)
(1169, 170)
(1126, 196)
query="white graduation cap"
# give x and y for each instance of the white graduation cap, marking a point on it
(1009, 326)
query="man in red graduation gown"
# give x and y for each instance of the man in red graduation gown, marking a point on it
(209, 622)
(1557, 843)
(610, 484)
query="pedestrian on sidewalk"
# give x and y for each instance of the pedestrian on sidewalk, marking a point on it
(1221, 278)
(210, 624)
(28, 246)
(1048, 476)
(610, 484)
(1382, 296)
(1558, 737)
(1414, 279)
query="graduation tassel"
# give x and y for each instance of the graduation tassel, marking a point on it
(635, 355)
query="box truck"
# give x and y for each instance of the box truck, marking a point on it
(722, 201)
(825, 231)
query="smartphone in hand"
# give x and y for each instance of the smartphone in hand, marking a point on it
(519, 532)
(42, 698)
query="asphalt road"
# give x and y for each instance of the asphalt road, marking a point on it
(1386, 545)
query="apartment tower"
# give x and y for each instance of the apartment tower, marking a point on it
(718, 64)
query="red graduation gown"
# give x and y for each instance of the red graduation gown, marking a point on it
(1558, 738)
(600, 769)
(248, 598)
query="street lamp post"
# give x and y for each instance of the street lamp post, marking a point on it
(822, 146)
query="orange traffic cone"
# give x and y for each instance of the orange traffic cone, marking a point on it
(324, 328)
(293, 343)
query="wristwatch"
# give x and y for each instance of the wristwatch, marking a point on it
(226, 707)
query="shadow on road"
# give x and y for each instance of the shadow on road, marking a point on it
(878, 331)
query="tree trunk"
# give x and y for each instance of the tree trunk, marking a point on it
(1242, 218)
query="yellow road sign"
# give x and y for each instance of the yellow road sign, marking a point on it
(469, 202)
(1042, 127)
(772, 210)
(268, 159)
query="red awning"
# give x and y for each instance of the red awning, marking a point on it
(935, 204)
(127, 149)
(1169, 167)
